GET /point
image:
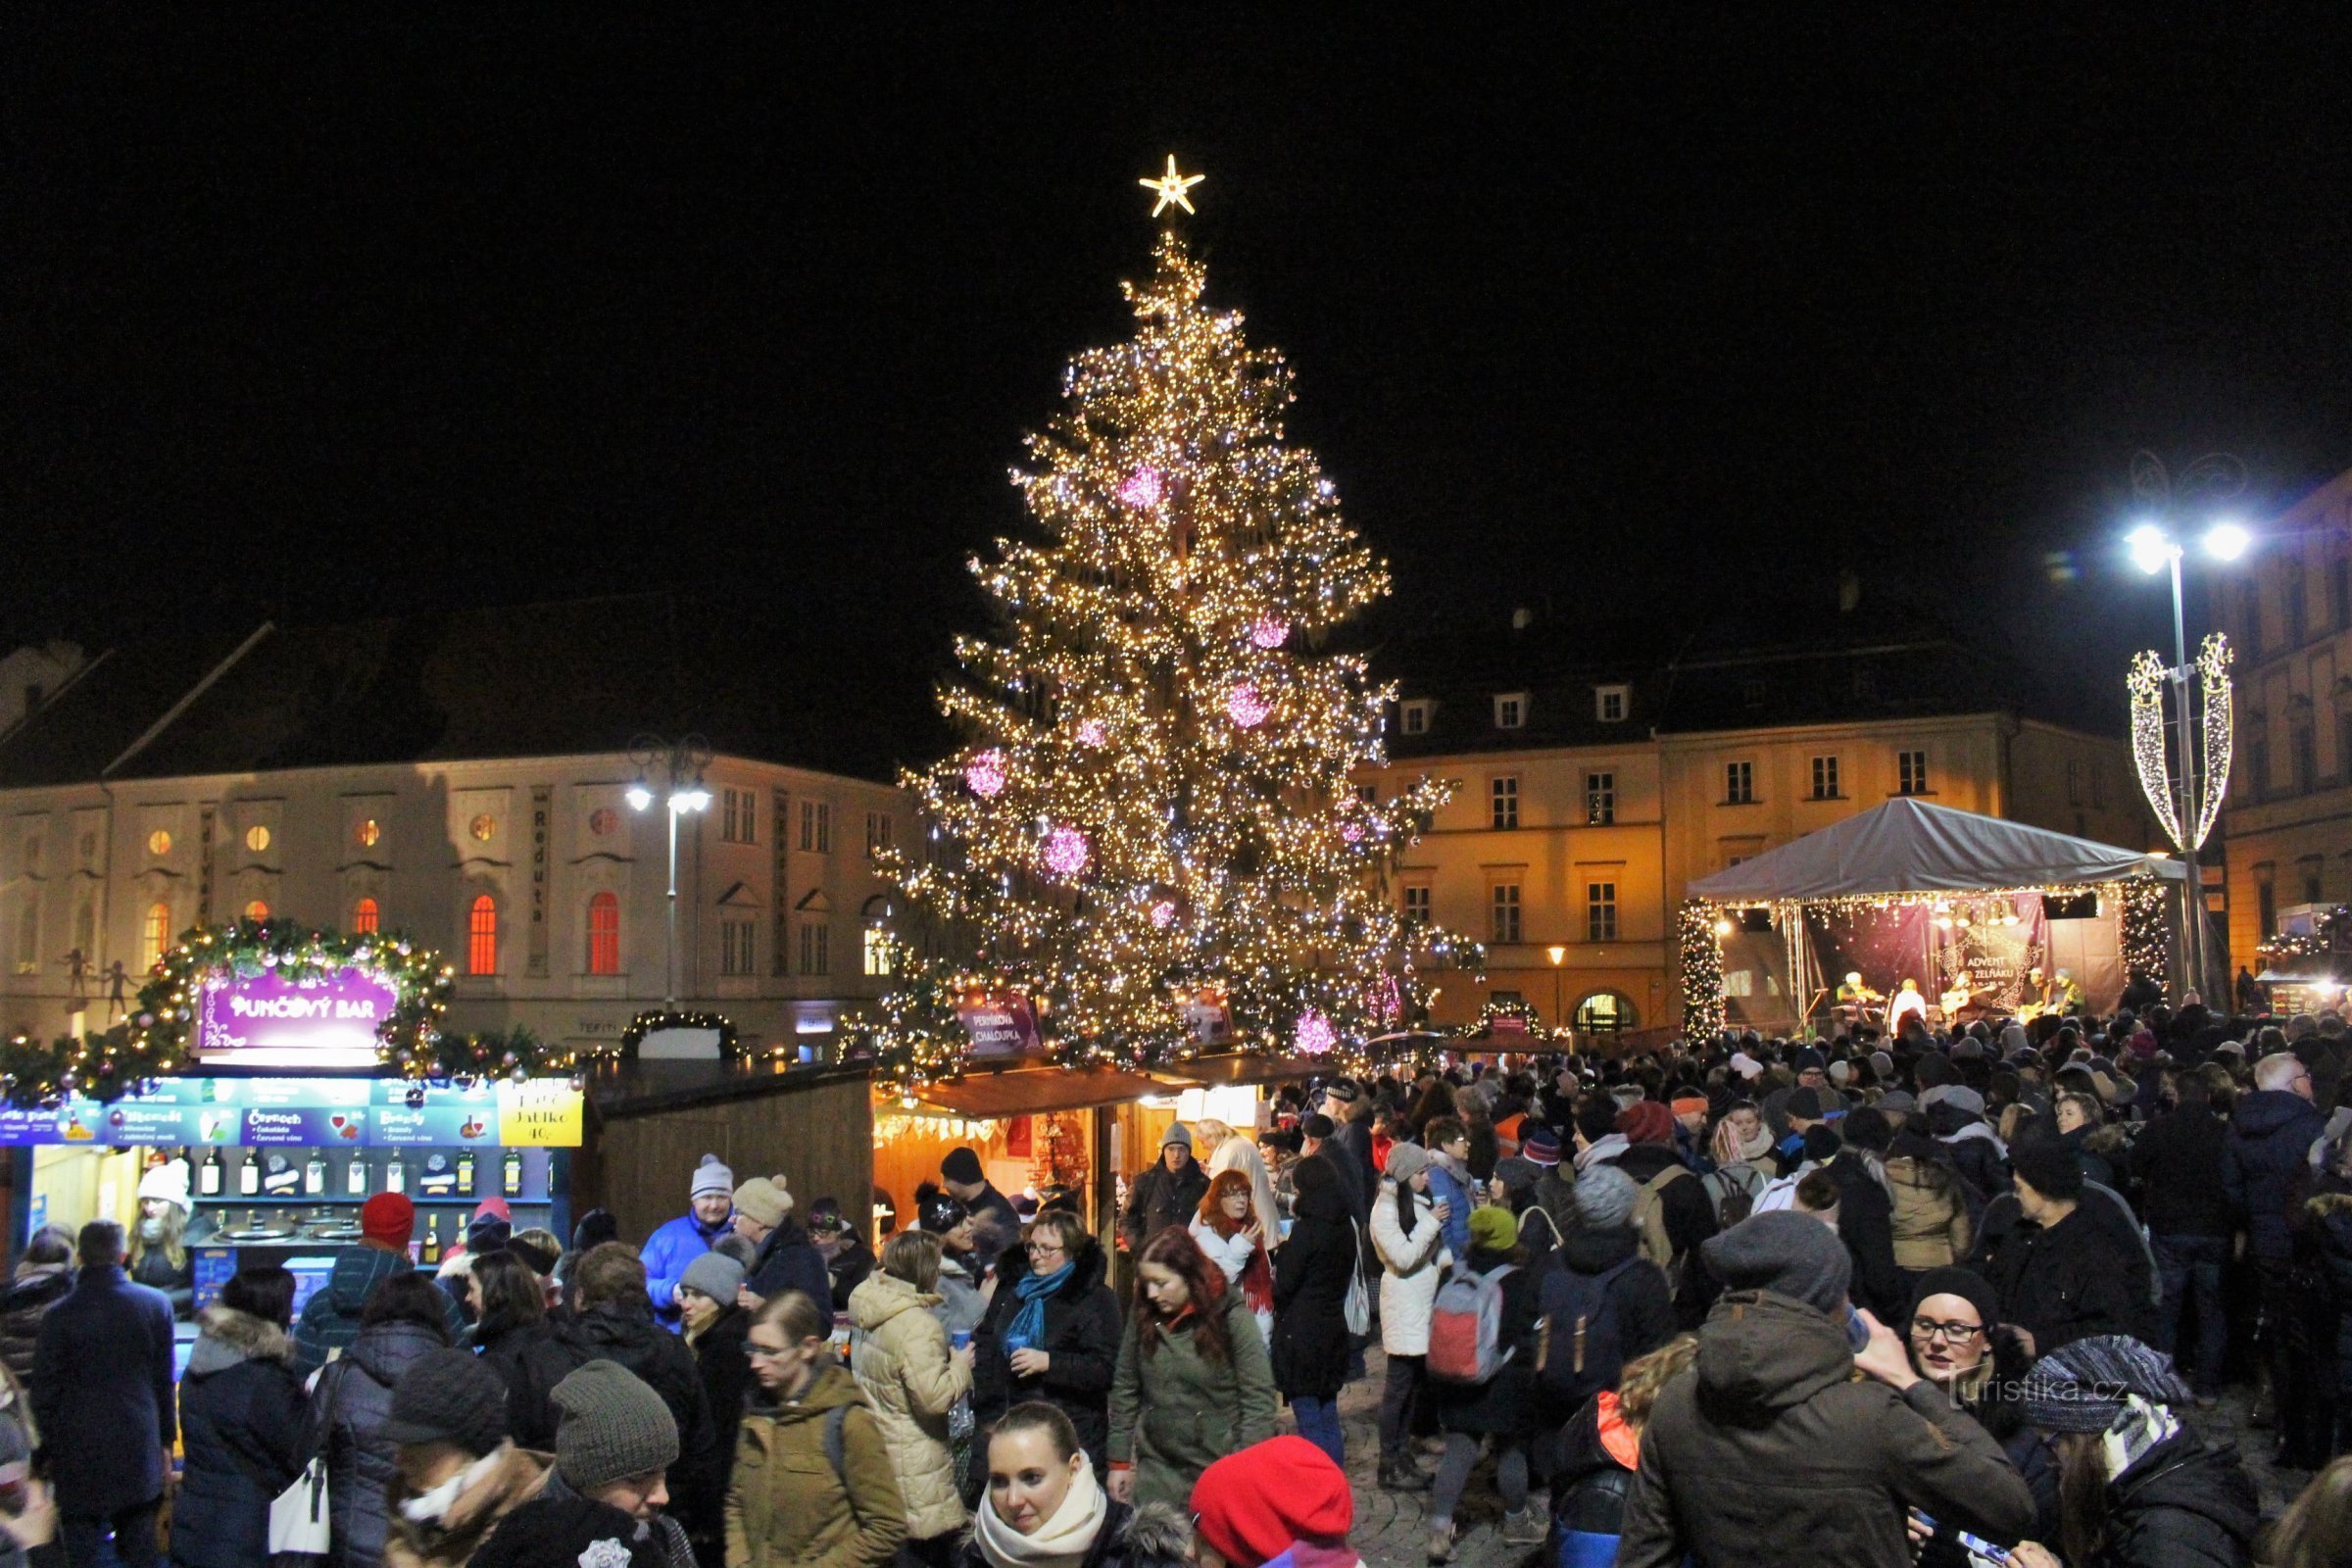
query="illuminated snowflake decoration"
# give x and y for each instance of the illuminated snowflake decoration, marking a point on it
(985, 773)
(1066, 852)
(1269, 632)
(2146, 682)
(1314, 1035)
(1143, 489)
(1245, 707)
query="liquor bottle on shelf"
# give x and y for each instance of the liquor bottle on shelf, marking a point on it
(314, 1176)
(208, 1175)
(432, 1237)
(464, 1173)
(396, 1174)
(249, 1174)
(512, 1170)
(355, 1176)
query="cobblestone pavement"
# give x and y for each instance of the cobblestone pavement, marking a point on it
(1391, 1528)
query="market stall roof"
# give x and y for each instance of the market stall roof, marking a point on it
(1247, 1067)
(1034, 1091)
(2300, 970)
(1908, 846)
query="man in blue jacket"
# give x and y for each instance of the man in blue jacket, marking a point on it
(710, 1206)
(2271, 1134)
(102, 1394)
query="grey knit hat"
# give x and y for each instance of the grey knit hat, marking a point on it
(711, 1176)
(612, 1427)
(1605, 1197)
(2081, 1386)
(1407, 1162)
(1782, 1251)
(448, 1396)
(716, 1275)
(1178, 1133)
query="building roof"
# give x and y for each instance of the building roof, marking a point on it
(572, 678)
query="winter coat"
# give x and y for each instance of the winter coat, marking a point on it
(1866, 1224)
(1589, 1488)
(29, 1295)
(727, 1382)
(960, 1308)
(1162, 1198)
(674, 1244)
(558, 1528)
(1110, 1551)
(330, 1318)
(2089, 1160)
(2185, 1503)
(1556, 1195)
(349, 1406)
(1690, 1218)
(899, 1356)
(788, 1508)
(625, 1334)
(530, 1358)
(1770, 1450)
(2271, 1133)
(463, 1529)
(2080, 1277)
(1081, 1340)
(849, 1268)
(1643, 1302)
(1412, 1265)
(1355, 1135)
(1312, 1269)
(1507, 1404)
(1929, 1222)
(2177, 1161)
(996, 1224)
(1239, 1258)
(102, 1393)
(1174, 1412)
(789, 1261)
(243, 1419)
(1352, 1177)
(1979, 1158)
(155, 1269)
(1447, 1187)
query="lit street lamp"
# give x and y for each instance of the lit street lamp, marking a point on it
(2217, 476)
(681, 763)
(1558, 955)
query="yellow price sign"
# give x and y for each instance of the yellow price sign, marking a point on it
(542, 1114)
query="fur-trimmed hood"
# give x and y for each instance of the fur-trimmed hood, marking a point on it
(2328, 1205)
(227, 1336)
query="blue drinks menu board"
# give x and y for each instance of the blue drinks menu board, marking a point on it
(306, 1112)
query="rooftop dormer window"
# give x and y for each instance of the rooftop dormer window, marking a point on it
(1510, 711)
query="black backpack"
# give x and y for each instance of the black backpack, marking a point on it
(1583, 1347)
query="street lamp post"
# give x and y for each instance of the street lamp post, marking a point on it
(2217, 476)
(1557, 954)
(680, 764)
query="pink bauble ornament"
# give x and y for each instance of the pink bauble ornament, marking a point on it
(1315, 1036)
(985, 773)
(1246, 707)
(1091, 733)
(1066, 852)
(1163, 914)
(1143, 489)
(1268, 633)
(1352, 832)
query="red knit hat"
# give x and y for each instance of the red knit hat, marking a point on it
(389, 1219)
(1255, 1506)
(1645, 1121)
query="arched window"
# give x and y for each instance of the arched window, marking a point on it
(157, 934)
(365, 916)
(257, 910)
(603, 934)
(481, 936)
(1604, 1013)
(877, 952)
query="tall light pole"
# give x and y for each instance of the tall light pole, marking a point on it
(2216, 477)
(681, 763)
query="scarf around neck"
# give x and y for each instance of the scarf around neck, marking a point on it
(1061, 1542)
(1028, 1325)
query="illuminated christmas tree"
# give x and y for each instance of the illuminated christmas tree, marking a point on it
(1154, 809)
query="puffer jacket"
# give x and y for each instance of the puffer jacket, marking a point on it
(625, 1333)
(2271, 1132)
(1174, 1412)
(32, 1292)
(1412, 1265)
(789, 1509)
(2185, 1503)
(348, 1411)
(511, 1478)
(330, 1318)
(2326, 1242)
(1770, 1450)
(1932, 1226)
(242, 1422)
(899, 1356)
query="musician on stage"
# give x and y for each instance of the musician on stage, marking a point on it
(1854, 999)
(1907, 1002)
(1960, 994)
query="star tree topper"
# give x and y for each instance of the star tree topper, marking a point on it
(1172, 188)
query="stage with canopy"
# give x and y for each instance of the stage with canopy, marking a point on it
(1963, 907)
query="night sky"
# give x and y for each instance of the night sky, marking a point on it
(1649, 314)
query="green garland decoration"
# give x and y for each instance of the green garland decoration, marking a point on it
(645, 1024)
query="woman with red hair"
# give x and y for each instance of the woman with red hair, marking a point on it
(1228, 1234)
(1194, 1383)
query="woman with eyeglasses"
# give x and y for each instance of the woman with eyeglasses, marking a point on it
(1958, 1343)
(814, 1481)
(1192, 1383)
(1050, 1333)
(1227, 1229)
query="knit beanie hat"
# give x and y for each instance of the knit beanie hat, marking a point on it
(1178, 1133)
(765, 1199)
(1407, 1162)
(1745, 1066)
(2048, 1167)
(1868, 1128)
(716, 1275)
(611, 1426)
(486, 1233)
(1493, 1229)
(962, 1166)
(1647, 1123)
(1255, 1506)
(1540, 1147)
(1605, 1197)
(825, 1217)
(1688, 1104)
(169, 1182)
(1314, 1125)
(1808, 1058)
(2081, 1386)
(1882, 1065)
(448, 1396)
(1805, 1104)
(596, 1227)
(1822, 1142)
(1965, 1283)
(711, 1177)
(1783, 1252)
(388, 1218)
(1932, 1069)
(937, 1211)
